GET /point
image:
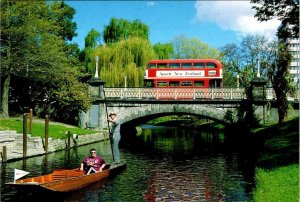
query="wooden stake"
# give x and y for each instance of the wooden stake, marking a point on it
(25, 135)
(46, 133)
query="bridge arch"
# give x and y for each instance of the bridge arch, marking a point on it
(224, 116)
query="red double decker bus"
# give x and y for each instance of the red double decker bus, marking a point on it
(184, 73)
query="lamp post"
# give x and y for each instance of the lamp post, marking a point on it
(238, 80)
(125, 84)
(96, 73)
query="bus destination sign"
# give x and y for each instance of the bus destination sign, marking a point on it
(183, 73)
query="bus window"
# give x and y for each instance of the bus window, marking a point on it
(198, 83)
(162, 65)
(174, 65)
(211, 65)
(151, 66)
(186, 65)
(174, 83)
(186, 83)
(161, 83)
(148, 83)
(215, 83)
(199, 65)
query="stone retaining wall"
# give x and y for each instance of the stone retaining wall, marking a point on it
(35, 145)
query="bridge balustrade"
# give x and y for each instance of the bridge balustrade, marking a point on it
(270, 94)
(175, 93)
(186, 93)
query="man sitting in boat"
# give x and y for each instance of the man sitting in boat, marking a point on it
(92, 163)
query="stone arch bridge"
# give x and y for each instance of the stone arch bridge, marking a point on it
(140, 104)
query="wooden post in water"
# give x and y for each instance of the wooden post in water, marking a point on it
(25, 115)
(4, 154)
(30, 121)
(69, 137)
(46, 133)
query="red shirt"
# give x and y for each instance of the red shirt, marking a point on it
(95, 162)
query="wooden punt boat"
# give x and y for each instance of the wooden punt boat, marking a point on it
(63, 180)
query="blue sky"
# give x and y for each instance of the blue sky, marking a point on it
(216, 23)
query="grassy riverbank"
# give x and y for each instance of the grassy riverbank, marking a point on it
(277, 174)
(56, 130)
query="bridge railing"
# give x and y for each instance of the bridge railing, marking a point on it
(185, 93)
(175, 93)
(270, 95)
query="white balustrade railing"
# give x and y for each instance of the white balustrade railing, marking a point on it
(183, 93)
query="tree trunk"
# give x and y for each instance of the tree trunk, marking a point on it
(281, 83)
(5, 81)
(282, 105)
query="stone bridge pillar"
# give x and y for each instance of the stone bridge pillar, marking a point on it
(258, 94)
(93, 117)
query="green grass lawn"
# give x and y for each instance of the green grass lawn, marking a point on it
(56, 130)
(279, 184)
(277, 174)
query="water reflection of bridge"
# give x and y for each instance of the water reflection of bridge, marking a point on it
(141, 104)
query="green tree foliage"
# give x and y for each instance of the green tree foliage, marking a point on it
(138, 29)
(92, 39)
(20, 30)
(163, 51)
(272, 60)
(121, 29)
(244, 59)
(285, 10)
(288, 12)
(62, 16)
(125, 58)
(185, 48)
(243, 62)
(35, 54)
(64, 97)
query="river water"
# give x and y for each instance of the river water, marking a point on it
(163, 164)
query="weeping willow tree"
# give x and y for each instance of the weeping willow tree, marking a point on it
(124, 60)
(185, 48)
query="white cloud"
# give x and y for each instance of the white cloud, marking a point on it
(236, 16)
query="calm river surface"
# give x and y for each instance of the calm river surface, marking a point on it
(163, 164)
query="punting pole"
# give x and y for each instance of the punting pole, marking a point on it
(109, 132)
